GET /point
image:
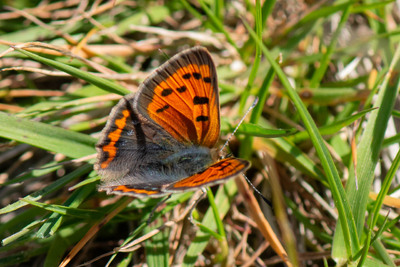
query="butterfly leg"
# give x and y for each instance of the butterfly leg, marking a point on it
(156, 207)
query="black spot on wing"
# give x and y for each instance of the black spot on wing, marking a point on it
(202, 118)
(186, 76)
(181, 89)
(207, 79)
(198, 100)
(166, 92)
(197, 75)
(162, 109)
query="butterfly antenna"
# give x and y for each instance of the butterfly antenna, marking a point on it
(257, 191)
(227, 142)
(240, 122)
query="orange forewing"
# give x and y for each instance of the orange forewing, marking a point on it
(184, 98)
(216, 173)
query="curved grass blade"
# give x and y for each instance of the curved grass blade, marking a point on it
(97, 81)
(222, 200)
(259, 131)
(51, 138)
(49, 189)
(333, 128)
(332, 175)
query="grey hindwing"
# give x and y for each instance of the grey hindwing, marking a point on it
(140, 144)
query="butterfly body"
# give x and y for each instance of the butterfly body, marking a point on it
(161, 139)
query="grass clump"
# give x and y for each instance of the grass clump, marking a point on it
(322, 140)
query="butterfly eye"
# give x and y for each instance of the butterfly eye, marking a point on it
(185, 159)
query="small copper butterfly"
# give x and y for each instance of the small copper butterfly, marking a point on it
(161, 139)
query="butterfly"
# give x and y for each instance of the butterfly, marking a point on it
(162, 139)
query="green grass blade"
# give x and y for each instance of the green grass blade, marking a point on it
(245, 148)
(54, 221)
(384, 190)
(63, 210)
(339, 195)
(368, 153)
(55, 139)
(319, 73)
(48, 189)
(259, 131)
(222, 199)
(217, 23)
(104, 84)
(257, 59)
(332, 128)
(56, 252)
(157, 247)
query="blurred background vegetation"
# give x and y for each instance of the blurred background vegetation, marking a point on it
(323, 139)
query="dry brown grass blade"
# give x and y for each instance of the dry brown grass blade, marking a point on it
(279, 207)
(257, 253)
(38, 22)
(144, 46)
(44, 11)
(388, 200)
(54, 50)
(174, 35)
(121, 50)
(258, 216)
(30, 92)
(92, 231)
(33, 47)
(135, 244)
(37, 70)
(11, 108)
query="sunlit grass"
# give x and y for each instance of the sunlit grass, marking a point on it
(321, 139)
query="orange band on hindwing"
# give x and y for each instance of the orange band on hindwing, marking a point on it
(114, 136)
(127, 189)
(216, 173)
